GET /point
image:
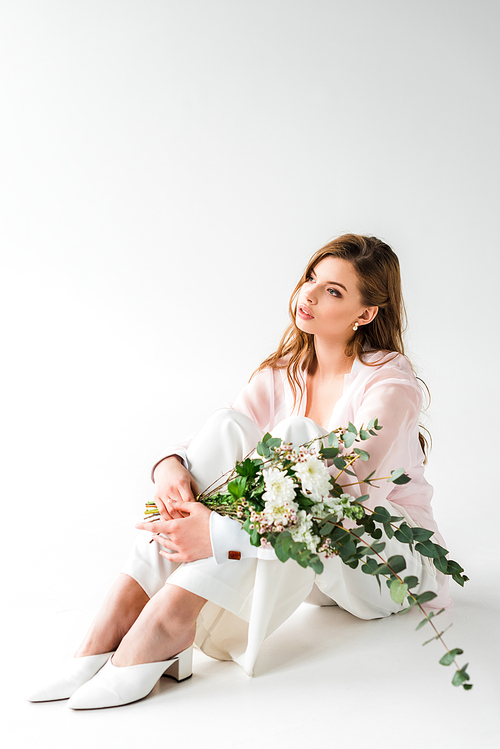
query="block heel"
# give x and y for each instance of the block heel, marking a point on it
(182, 667)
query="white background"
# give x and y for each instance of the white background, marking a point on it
(168, 167)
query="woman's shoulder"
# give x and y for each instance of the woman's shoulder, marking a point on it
(387, 364)
(391, 372)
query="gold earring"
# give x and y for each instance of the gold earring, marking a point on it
(356, 326)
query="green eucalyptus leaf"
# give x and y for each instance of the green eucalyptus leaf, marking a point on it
(369, 566)
(374, 548)
(467, 686)
(281, 552)
(363, 498)
(380, 515)
(411, 605)
(397, 563)
(326, 528)
(333, 440)
(303, 501)
(364, 434)
(383, 569)
(367, 480)
(263, 450)
(348, 438)
(429, 616)
(351, 428)
(388, 530)
(347, 549)
(357, 531)
(363, 455)
(449, 657)
(429, 549)
(255, 537)
(404, 533)
(297, 548)
(421, 534)
(441, 564)
(316, 564)
(421, 623)
(428, 595)
(328, 453)
(370, 424)
(398, 591)
(399, 477)
(339, 463)
(454, 567)
(411, 581)
(273, 442)
(460, 676)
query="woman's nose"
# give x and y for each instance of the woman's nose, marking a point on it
(310, 296)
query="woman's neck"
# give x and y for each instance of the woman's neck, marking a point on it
(331, 360)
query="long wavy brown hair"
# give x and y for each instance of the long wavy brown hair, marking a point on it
(379, 283)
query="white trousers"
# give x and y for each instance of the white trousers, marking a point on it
(248, 599)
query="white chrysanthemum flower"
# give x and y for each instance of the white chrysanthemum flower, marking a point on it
(314, 476)
(279, 486)
(280, 507)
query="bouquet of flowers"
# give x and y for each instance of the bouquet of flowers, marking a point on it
(287, 498)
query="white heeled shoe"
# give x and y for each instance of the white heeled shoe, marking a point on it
(120, 685)
(69, 678)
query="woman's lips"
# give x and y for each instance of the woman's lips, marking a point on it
(304, 312)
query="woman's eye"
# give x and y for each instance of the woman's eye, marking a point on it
(335, 292)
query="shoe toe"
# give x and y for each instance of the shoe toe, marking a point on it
(115, 685)
(91, 696)
(49, 692)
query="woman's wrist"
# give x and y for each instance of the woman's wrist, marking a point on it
(162, 462)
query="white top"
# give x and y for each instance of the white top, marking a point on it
(388, 391)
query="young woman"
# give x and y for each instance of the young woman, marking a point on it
(341, 359)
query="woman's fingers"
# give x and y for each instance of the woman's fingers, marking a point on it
(188, 537)
(154, 526)
(160, 503)
(167, 543)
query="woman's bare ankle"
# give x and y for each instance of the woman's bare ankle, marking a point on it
(122, 606)
(161, 646)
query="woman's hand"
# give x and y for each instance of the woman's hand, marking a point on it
(173, 484)
(188, 535)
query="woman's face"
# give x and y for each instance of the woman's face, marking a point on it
(329, 302)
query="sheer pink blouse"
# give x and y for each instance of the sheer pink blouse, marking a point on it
(388, 390)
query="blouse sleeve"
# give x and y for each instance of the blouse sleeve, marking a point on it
(256, 401)
(396, 403)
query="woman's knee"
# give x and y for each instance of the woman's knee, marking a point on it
(298, 429)
(225, 417)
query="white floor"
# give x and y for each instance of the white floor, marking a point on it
(323, 678)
